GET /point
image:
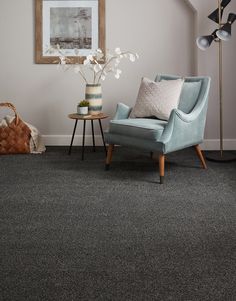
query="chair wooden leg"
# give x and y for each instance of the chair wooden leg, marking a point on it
(200, 156)
(162, 167)
(109, 155)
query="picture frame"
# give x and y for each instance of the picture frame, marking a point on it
(76, 24)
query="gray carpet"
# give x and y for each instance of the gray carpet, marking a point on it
(71, 231)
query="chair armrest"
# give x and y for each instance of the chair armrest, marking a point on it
(188, 118)
(184, 117)
(122, 111)
(179, 121)
(183, 129)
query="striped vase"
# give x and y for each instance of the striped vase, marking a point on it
(93, 94)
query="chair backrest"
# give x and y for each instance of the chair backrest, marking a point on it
(192, 89)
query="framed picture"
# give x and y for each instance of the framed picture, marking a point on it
(69, 25)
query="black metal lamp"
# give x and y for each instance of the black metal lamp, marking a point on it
(223, 33)
(204, 42)
(214, 16)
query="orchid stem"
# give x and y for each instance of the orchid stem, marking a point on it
(83, 77)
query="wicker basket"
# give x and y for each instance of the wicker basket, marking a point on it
(15, 136)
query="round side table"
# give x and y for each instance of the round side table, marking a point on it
(77, 117)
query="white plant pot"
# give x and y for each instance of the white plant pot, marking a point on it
(82, 110)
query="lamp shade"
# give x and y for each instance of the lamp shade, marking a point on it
(224, 33)
(214, 16)
(204, 42)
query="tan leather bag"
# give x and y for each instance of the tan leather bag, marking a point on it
(15, 137)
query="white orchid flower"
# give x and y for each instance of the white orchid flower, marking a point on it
(118, 73)
(100, 54)
(118, 51)
(132, 57)
(86, 62)
(97, 68)
(117, 76)
(97, 62)
(63, 60)
(103, 77)
(90, 57)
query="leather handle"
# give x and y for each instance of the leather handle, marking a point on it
(12, 107)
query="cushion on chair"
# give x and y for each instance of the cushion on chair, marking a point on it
(143, 128)
(189, 96)
(157, 98)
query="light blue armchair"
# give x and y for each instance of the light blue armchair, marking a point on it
(185, 127)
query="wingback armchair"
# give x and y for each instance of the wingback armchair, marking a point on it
(185, 127)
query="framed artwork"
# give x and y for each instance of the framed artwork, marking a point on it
(69, 25)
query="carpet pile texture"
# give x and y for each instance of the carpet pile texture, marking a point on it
(72, 231)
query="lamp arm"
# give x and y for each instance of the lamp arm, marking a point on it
(224, 3)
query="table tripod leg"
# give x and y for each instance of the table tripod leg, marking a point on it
(73, 135)
(103, 140)
(83, 139)
(93, 136)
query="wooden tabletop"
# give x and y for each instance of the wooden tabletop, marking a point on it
(88, 117)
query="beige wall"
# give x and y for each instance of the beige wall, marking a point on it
(161, 31)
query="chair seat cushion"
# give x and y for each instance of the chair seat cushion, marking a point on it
(144, 128)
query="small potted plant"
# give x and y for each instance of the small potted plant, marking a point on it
(82, 108)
